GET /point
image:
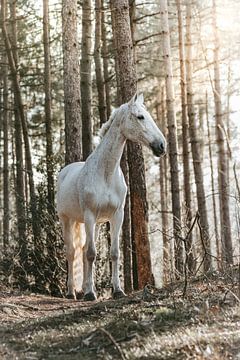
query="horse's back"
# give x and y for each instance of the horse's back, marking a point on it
(69, 170)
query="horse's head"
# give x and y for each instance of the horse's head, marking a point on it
(139, 126)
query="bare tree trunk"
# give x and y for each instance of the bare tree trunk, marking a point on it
(19, 186)
(200, 131)
(228, 110)
(71, 75)
(6, 194)
(185, 136)
(198, 174)
(98, 63)
(127, 80)
(86, 78)
(105, 62)
(20, 107)
(172, 136)
(48, 114)
(226, 236)
(129, 258)
(161, 116)
(212, 185)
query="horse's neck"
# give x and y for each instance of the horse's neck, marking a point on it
(108, 154)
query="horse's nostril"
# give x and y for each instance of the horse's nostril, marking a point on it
(162, 146)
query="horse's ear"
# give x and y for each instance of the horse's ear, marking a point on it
(140, 98)
(133, 99)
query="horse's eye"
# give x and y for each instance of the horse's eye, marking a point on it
(140, 117)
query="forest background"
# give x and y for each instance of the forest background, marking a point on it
(186, 55)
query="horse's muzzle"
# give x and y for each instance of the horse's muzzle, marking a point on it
(158, 148)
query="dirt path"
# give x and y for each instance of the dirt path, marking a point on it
(149, 325)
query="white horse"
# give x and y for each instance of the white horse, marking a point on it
(94, 192)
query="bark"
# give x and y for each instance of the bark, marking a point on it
(172, 136)
(105, 62)
(198, 174)
(47, 105)
(20, 108)
(19, 183)
(86, 79)
(161, 116)
(5, 154)
(201, 131)
(185, 136)
(98, 64)
(226, 236)
(129, 256)
(127, 82)
(212, 185)
(71, 76)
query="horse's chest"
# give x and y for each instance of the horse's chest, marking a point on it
(103, 202)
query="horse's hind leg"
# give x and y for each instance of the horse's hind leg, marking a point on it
(67, 225)
(79, 241)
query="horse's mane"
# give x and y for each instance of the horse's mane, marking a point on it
(107, 124)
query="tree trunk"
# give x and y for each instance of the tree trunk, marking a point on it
(198, 174)
(213, 186)
(5, 154)
(98, 64)
(185, 137)
(105, 62)
(86, 79)
(20, 107)
(127, 82)
(226, 237)
(48, 114)
(129, 257)
(19, 184)
(172, 136)
(161, 116)
(71, 76)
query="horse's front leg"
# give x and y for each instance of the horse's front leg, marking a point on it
(89, 254)
(115, 228)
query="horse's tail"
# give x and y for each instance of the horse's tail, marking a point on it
(78, 242)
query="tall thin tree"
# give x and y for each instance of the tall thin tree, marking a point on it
(18, 142)
(20, 108)
(71, 76)
(126, 226)
(98, 63)
(197, 164)
(6, 194)
(172, 135)
(161, 116)
(185, 135)
(105, 56)
(226, 236)
(86, 78)
(47, 105)
(128, 85)
(210, 153)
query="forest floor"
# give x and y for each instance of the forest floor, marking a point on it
(151, 324)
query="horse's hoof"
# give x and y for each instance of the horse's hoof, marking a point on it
(89, 297)
(79, 295)
(70, 296)
(118, 294)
